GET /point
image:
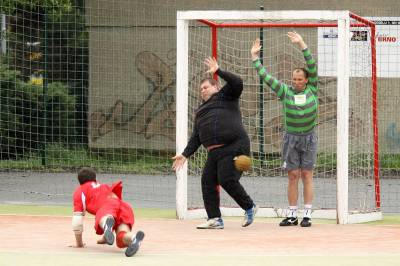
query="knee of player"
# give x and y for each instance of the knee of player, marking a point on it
(228, 183)
(294, 177)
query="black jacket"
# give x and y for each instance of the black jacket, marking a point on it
(218, 120)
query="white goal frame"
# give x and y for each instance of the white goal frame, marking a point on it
(343, 19)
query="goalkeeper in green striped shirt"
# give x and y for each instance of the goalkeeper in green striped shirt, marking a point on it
(300, 106)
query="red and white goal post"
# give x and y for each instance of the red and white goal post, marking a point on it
(346, 177)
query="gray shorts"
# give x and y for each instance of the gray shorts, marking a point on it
(299, 151)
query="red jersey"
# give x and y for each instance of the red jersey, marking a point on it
(92, 195)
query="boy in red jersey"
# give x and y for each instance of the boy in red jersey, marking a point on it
(111, 212)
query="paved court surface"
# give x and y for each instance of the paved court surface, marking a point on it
(147, 191)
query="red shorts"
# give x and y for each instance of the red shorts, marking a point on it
(120, 210)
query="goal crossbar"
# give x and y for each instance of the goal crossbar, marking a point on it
(257, 15)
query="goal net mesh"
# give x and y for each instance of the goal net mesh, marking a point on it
(266, 182)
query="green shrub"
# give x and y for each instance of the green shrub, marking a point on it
(60, 114)
(24, 122)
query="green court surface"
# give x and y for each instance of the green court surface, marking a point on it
(146, 213)
(92, 257)
(67, 211)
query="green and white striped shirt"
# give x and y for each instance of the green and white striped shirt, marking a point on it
(301, 115)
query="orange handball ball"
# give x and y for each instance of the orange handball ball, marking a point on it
(242, 163)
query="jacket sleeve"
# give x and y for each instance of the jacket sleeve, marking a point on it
(234, 84)
(193, 144)
(276, 86)
(78, 201)
(312, 70)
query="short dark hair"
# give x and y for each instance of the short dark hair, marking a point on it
(212, 81)
(86, 174)
(302, 69)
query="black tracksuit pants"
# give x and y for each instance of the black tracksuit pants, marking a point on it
(220, 170)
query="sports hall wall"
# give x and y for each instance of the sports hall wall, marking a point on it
(132, 63)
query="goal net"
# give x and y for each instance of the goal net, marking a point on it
(346, 177)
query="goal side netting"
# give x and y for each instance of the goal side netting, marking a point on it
(346, 177)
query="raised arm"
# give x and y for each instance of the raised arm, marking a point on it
(277, 86)
(297, 39)
(234, 84)
(310, 61)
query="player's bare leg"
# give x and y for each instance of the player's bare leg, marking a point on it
(294, 176)
(307, 178)
(107, 223)
(291, 219)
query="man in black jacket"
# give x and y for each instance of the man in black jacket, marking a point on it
(218, 127)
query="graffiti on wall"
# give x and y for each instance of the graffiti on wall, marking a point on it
(154, 116)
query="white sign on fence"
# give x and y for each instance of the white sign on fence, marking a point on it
(387, 49)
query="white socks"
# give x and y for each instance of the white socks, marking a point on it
(307, 210)
(292, 212)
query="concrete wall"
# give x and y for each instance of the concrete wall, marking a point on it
(132, 69)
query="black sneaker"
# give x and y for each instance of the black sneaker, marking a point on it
(108, 231)
(289, 221)
(306, 222)
(134, 246)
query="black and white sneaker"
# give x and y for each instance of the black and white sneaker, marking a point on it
(289, 221)
(134, 246)
(306, 222)
(108, 231)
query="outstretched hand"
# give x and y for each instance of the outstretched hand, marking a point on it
(296, 38)
(179, 161)
(212, 65)
(255, 49)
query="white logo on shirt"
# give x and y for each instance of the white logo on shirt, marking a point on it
(95, 185)
(83, 198)
(300, 99)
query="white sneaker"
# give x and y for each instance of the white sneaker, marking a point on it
(213, 223)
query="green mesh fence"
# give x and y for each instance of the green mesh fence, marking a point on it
(92, 83)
